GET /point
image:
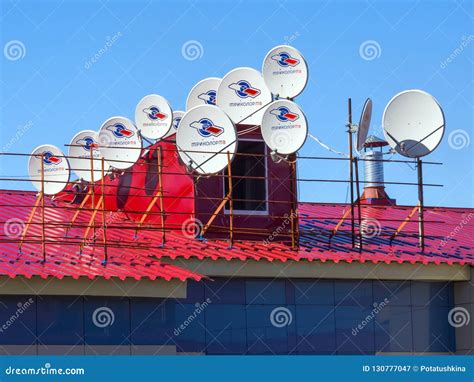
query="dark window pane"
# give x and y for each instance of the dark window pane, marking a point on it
(316, 330)
(433, 294)
(17, 320)
(107, 321)
(431, 330)
(393, 329)
(60, 320)
(357, 293)
(252, 191)
(226, 329)
(263, 336)
(265, 292)
(314, 292)
(355, 330)
(189, 331)
(225, 291)
(396, 292)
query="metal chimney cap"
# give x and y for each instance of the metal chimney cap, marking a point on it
(373, 141)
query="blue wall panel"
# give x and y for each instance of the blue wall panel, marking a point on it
(17, 320)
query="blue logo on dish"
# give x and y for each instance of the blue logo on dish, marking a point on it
(50, 159)
(87, 143)
(284, 114)
(284, 59)
(243, 89)
(206, 128)
(154, 113)
(176, 122)
(120, 131)
(209, 97)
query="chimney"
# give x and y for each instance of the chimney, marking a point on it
(374, 188)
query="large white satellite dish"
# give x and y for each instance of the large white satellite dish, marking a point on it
(284, 127)
(203, 93)
(364, 124)
(82, 145)
(204, 137)
(120, 142)
(242, 94)
(153, 116)
(55, 167)
(285, 71)
(413, 123)
(177, 115)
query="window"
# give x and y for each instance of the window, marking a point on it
(249, 194)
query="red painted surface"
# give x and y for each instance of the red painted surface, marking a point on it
(449, 233)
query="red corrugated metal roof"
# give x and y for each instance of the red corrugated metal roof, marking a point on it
(448, 231)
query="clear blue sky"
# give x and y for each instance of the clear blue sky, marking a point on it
(50, 88)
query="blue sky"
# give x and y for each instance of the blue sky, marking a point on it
(50, 88)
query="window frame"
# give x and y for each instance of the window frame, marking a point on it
(265, 212)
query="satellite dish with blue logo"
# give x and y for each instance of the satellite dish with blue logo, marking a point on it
(153, 116)
(56, 170)
(120, 142)
(285, 71)
(203, 93)
(242, 95)
(204, 137)
(413, 123)
(284, 127)
(82, 145)
(177, 115)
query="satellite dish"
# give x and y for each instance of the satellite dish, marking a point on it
(284, 127)
(119, 142)
(56, 169)
(285, 71)
(80, 149)
(204, 137)
(153, 116)
(364, 124)
(413, 123)
(242, 94)
(203, 93)
(177, 115)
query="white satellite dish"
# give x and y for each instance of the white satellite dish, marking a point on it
(284, 127)
(204, 137)
(285, 71)
(203, 93)
(413, 123)
(364, 124)
(56, 169)
(120, 142)
(242, 94)
(153, 116)
(82, 145)
(177, 115)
